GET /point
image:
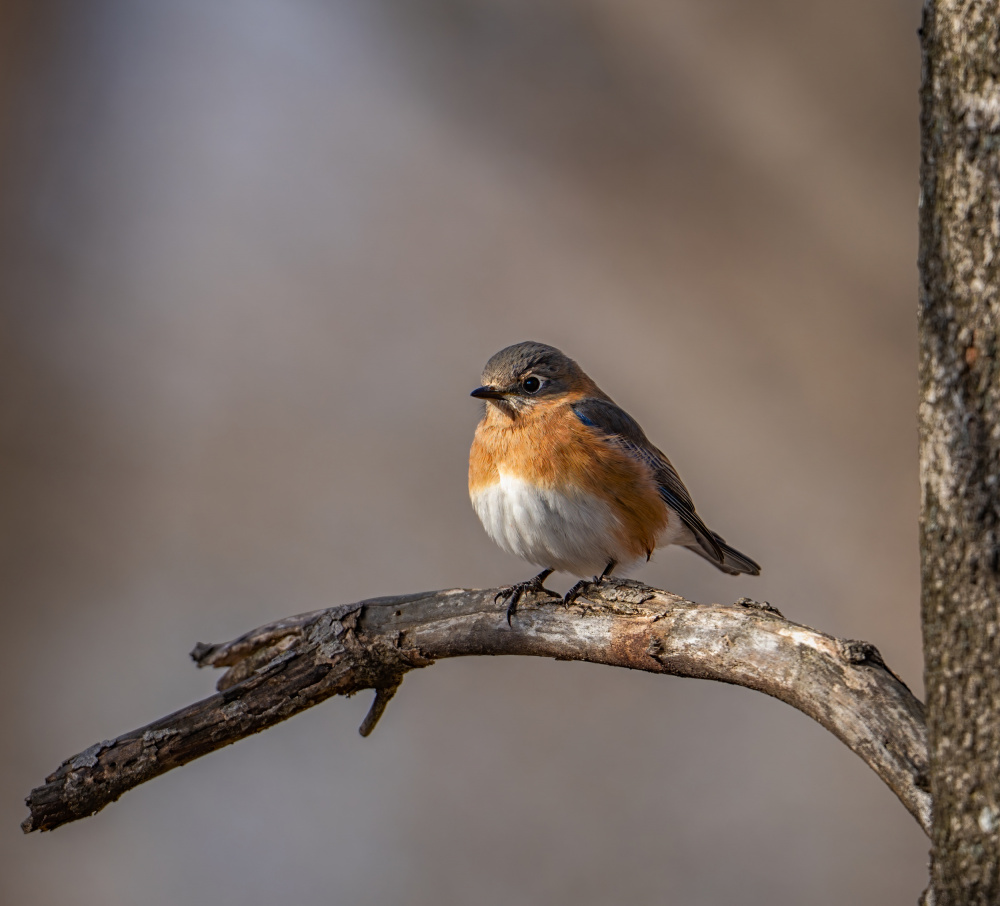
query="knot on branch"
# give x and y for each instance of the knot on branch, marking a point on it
(626, 591)
(759, 605)
(855, 651)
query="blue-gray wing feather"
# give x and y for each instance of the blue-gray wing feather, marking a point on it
(621, 429)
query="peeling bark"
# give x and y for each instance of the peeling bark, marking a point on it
(284, 667)
(959, 416)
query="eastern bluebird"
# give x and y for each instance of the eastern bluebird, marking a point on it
(561, 476)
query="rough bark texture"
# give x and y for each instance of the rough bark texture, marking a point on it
(282, 668)
(960, 440)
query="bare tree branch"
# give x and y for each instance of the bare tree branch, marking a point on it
(290, 665)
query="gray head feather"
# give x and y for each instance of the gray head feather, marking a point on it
(509, 365)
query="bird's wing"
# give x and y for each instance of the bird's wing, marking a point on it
(621, 429)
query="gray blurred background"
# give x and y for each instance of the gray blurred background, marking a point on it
(253, 256)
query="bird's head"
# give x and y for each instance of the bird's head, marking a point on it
(526, 375)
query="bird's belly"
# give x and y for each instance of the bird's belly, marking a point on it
(564, 529)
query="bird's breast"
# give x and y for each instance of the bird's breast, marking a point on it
(553, 492)
(568, 530)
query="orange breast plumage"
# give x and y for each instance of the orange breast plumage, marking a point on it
(549, 489)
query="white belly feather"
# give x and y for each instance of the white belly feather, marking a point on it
(573, 532)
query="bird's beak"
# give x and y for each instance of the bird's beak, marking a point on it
(487, 393)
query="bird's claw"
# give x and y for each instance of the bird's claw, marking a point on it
(512, 594)
(586, 584)
(580, 587)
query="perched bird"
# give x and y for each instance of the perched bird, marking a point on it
(562, 477)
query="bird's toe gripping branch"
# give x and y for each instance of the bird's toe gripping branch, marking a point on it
(512, 594)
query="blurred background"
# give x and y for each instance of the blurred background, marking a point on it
(253, 257)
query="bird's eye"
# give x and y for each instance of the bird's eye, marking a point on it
(531, 384)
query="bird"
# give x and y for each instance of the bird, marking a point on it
(564, 478)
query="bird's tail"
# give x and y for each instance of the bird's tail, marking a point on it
(732, 562)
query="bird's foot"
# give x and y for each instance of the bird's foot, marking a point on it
(512, 593)
(582, 586)
(587, 584)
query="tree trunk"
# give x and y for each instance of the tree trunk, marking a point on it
(960, 441)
